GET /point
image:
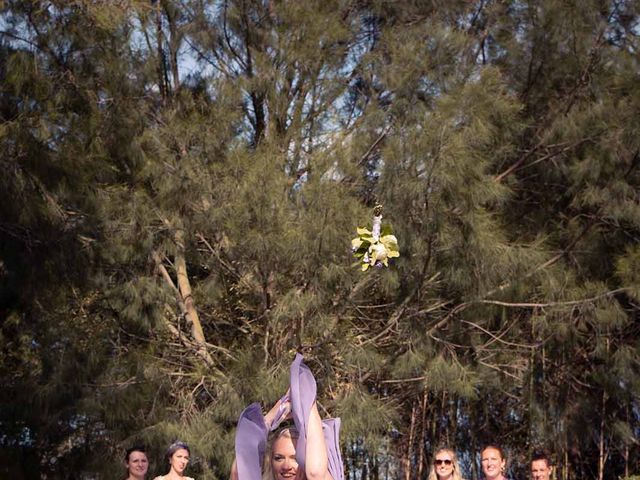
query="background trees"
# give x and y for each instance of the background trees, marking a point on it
(181, 182)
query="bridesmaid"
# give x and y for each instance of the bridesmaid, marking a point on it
(493, 463)
(137, 463)
(177, 456)
(445, 466)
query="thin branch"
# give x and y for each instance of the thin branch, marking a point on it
(405, 380)
(553, 304)
(497, 338)
(374, 145)
(521, 163)
(504, 372)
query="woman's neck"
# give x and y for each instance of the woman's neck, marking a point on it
(173, 475)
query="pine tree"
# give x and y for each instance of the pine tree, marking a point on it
(182, 182)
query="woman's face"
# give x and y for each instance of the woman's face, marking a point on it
(444, 464)
(283, 460)
(179, 460)
(138, 464)
(492, 463)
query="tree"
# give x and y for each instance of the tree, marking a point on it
(183, 179)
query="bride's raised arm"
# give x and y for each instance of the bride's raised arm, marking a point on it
(312, 448)
(317, 464)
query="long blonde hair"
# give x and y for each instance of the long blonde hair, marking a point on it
(267, 471)
(456, 475)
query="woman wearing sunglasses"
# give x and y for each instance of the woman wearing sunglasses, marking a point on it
(445, 466)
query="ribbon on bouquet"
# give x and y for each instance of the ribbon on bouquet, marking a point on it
(374, 248)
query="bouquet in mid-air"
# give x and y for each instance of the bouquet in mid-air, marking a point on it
(374, 248)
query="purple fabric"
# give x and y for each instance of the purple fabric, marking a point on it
(331, 430)
(303, 394)
(281, 414)
(251, 433)
(251, 441)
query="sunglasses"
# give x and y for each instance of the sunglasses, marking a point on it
(440, 462)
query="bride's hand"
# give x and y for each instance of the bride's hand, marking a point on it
(279, 412)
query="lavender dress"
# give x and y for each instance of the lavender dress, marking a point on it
(251, 433)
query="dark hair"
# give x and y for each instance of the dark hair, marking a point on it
(541, 455)
(495, 447)
(135, 448)
(174, 447)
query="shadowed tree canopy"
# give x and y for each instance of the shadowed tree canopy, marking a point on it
(182, 179)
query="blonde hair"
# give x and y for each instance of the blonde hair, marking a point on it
(455, 475)
(291, 433)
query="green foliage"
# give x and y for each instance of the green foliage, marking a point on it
(365, 417)
(442, 375)
(627, 268)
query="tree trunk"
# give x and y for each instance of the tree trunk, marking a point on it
(443, 402)
(375, 470)
(184, 286)
(565, 467)
(625, 453)
(602, 455)
(407, 458)
(474, 448)
(162, 72)
(423, 432)
(173, 44)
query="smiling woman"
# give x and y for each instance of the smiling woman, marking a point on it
(445, 466)
(280, 459)
(177, 456)
(137, 464)
(541, 468)
(493, 463)
(310, 451)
